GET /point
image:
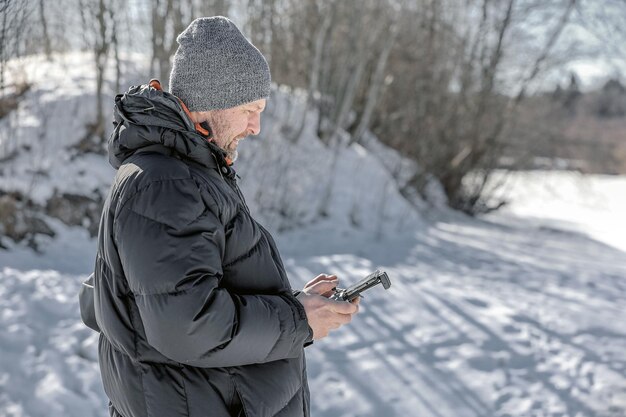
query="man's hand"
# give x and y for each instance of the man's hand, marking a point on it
(323, 314)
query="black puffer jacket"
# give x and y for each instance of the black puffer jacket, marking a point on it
(196, 313)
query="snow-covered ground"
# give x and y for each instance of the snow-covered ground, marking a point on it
(592, 205)
(516, 314)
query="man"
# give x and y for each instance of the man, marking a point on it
(196, 314)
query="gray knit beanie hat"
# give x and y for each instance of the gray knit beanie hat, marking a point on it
(216, 67)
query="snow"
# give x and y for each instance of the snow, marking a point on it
(574, 201)
(483, 319)
(518, 313)
(53, 117)
(49, 361)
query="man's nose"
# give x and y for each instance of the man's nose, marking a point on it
(254, 124)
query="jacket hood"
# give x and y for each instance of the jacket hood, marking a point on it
(145, 116)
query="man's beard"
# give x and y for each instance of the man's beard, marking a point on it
(219, 127)
(232, 155)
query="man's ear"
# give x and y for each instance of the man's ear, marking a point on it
(205, 125)
(201, 127)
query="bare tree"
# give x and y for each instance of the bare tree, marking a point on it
(315, 68)
(44, 28)
(101, 55)
(605, 20)
(5, 10)
(377, 81)
(168, 20)
(116, 56)
(101, 18)
(14, 15)
(458, 104)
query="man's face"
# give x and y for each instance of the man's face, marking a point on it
(229, 126)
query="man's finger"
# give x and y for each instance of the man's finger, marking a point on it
(342, 307)
(319, 278)
(344, 318)
(315, 280)
(322, 288)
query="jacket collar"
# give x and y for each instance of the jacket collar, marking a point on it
(145, 116)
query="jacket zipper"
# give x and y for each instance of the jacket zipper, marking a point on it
(238, 191)
(232, 183)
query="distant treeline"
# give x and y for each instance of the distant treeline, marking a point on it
(446, 82)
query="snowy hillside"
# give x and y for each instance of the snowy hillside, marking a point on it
(286, 183)
(517, 314)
